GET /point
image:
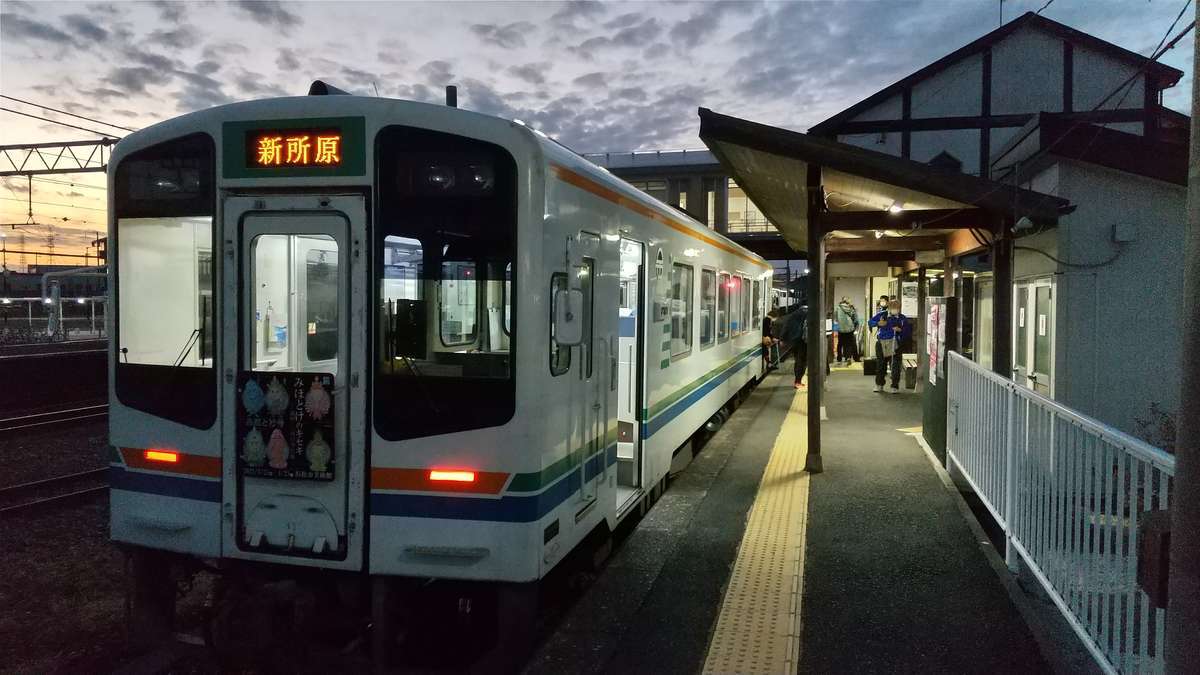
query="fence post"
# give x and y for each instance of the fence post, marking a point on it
(1011, 559)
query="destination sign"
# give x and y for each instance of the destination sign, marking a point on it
(285, 148)
(269, 148)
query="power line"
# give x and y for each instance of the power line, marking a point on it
(68, 183)
(1048, 3)
(47, 119)
(64, 112)
(69, 206)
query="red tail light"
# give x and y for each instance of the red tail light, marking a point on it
(453, 475)
(168, 456)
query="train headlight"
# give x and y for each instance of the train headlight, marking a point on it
(440, 176)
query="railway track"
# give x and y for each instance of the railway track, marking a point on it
(56, 490)
(42, 419)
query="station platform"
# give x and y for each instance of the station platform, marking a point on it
(748, 564)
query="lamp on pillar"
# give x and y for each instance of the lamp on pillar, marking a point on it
(816, 317)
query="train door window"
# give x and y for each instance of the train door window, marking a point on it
(560, 356)
(295, 302)
(508, 299)
(458, 298)
(757, 305)
(321, 303)
(735, 306)
(708, 307)
(744, 287)
(681, 310)
(163, 210)
(723, 308)
(585, 285)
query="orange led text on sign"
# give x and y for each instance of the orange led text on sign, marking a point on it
(298, 150)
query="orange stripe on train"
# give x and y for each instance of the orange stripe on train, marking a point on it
(587, 184)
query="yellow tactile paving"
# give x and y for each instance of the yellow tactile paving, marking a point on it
(758, 630)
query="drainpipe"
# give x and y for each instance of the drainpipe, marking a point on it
(1183, 593)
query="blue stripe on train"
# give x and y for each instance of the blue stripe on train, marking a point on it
(507, 509)
(120, 478)
(659, 421)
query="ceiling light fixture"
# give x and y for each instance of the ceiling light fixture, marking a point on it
(878, 234)
(896, 207)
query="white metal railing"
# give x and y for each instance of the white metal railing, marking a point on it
(1068, 491)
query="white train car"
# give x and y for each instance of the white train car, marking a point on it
(397, 341)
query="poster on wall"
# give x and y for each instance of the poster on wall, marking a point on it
(908, 298)
(941, 341)
(285, 425)
(934, 340)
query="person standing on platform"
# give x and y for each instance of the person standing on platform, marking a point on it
(889, 327)
(768, 340)
(793, 330)
(846, 319)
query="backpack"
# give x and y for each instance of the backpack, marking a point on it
(794, 327)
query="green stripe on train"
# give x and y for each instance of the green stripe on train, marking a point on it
(689, 388)
(536, 480)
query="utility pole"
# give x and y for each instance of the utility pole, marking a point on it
(1183, 593)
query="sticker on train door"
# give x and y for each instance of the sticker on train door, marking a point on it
(285, 426)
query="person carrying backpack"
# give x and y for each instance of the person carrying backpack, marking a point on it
(890, 328)
(845, 318)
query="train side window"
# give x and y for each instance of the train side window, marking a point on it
(681, 310)
(723, 308)
(560, 356)
(735, 305)
(708, 307)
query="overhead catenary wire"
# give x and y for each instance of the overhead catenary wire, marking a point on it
(47, 119)
(64, 112)
(69, 206)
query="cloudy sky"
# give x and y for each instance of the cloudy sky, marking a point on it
(597, 76)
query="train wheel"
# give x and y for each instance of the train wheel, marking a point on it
(149, 597)
(516, 629)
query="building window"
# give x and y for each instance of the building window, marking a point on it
(681, 310)
(744, 216)
(654, 188)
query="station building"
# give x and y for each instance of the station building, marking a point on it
(1034, 104)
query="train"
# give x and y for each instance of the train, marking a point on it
(359, 342)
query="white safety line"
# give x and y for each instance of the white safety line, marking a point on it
(758, 629)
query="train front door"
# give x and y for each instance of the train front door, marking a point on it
(293, 404)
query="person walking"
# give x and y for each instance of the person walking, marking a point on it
(889, 327)
(845, 317)
(793, 329)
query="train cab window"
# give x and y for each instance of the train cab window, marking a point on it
(708, 307)
(723, 308)
(164, 205)
(446, 287)
(681, 310)
(560, 356)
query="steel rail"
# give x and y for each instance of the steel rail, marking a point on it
(49, 482)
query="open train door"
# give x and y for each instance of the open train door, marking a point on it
(293, 405)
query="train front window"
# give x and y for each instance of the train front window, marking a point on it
(445, 284)
(164, 205)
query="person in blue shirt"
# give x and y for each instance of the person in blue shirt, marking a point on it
(889, 325)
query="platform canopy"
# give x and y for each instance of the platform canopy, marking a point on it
(862, 189)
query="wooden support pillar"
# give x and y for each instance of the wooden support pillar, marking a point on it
(919, 336)
(1002, 297)
(816, 317)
